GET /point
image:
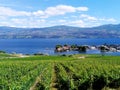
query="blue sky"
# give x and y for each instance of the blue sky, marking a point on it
(46, 13)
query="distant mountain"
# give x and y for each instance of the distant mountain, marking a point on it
(104, 31)
(108, 27)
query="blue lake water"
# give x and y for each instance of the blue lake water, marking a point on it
(46, 46)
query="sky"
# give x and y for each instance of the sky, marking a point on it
(46, 13)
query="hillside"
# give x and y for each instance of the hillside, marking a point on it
(104, 31)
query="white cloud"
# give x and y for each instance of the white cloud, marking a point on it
(59, 10)
(82, 9)
(108, 19)
(48, 12)
(111, 20)
(87, 17)
(79, 23)
(63, 9)
(40, 18)
(23, 22)
(62, 21)
(18, 21)
(5, 11)
(3, 18)
(38, 13)
(92, 19)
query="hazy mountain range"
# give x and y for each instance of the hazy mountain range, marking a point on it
(104, 31)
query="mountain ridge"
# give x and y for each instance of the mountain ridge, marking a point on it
(64, 26)
(62, 31)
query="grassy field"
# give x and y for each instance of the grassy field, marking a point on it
(73, 72)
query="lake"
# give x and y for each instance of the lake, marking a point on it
(46, 46)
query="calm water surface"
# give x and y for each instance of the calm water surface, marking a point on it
(31, 46)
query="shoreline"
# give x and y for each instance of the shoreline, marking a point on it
(106, 49)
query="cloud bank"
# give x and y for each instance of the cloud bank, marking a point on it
(55, 15)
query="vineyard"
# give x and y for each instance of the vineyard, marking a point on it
(72, 72)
